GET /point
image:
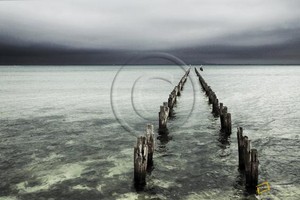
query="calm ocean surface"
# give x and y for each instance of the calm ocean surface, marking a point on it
(68, 132)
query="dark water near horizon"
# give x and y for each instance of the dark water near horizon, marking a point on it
(68, 132)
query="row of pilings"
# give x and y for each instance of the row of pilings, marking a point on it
(248, 158)
(144, 148)
(217, 109)
(167, 109)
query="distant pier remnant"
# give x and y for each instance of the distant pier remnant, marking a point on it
(217, 110)
(167, 110)
(143, 156)
(248, 159)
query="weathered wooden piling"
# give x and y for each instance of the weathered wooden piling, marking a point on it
(150, 141)
(248, 159)
(176, 90)
(165, 104)
(246, 152)
(240, 139)
(163, 116)
(228, 124)
(140, 161)
(196, 71)
(143, 156)
(225, 119)
(188, 71)
(254, 169)
(180, 87)
(215, 107)
(221, 108)
(223, 113)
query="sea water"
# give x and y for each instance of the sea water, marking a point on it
(67, 132)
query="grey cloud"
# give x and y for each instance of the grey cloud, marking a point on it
(149, 25)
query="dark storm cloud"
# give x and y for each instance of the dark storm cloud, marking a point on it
(164, 25)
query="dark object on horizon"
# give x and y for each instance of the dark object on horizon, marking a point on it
(201, 69)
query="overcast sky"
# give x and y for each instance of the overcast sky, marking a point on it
(222, 27)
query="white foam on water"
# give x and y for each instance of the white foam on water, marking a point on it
(70, 142)
(8, 198)
(165, 184)
(128, 196)
(122, 166)
(52, 177)
(210, 194)
(99, 187)
(81, 187)
(287, 191)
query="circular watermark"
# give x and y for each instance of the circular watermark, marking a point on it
(137, 92)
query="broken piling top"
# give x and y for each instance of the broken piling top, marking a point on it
(228, 124)
(142, 147)
(140, 161)
(151, 145)
(163, 116)
(165, 104)
(150, 137)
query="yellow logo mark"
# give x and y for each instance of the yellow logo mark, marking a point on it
(263, 187)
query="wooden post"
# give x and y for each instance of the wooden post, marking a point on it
(254, 168)
(196, 71)
(221, 108)
(188, 71)
(208, 90)
(166, 108)
(211, 97)
(170, 101)
(241, 148)
(228, 123)
(223, 118)
(179, 87)
(174, 96)
(176, 90)
(140, 161)
(162, 118)
(150, 142)
(184, 80)
(216, 109)
(246, 150)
